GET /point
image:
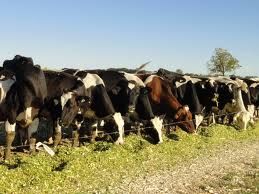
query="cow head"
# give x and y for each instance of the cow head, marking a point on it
(184, 117)
(16, 63)
(114, 126)
(153, 128)
(71, 105)
(143, 106)
(133, 95)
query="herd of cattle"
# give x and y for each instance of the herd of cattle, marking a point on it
(117, 102)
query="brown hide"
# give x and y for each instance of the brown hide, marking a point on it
(163, 99)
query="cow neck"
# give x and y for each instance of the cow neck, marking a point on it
(3, 112)
(239, 99)
(173, 102)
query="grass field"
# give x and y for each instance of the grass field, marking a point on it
(99, 166)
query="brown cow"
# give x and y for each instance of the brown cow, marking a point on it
(164, 102)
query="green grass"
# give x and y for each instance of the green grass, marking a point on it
(97, 167)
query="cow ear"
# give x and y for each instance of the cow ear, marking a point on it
(186, 108)
(37, 65)
(83, 99)
(55, 102)
(29, 60)
(17, 57)
(116, 90)
(149, 89)
(230, 87)
(65, 90)
(79, 83)
(162, 117)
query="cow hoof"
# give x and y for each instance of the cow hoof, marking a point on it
(119, 142)
(75, 144)
(57, 139)
(75, 141)
(195, 133)
(32, 148)
(7, 153)
(50, 141)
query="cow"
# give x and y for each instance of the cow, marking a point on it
(183, 88)
(23, 92)
(243, 117)
(253, 85)
(231, 100)
(144, 109)
(164, 102)
(246, 94)
(208, 97)
(59, 86)
(101, 104)
(129, 97)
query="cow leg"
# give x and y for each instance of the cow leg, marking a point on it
(168, 131)
(120, 123)
(10, 134)
(93, 132)
(137, 125)
(57, 135)
(225, 120)
(75, 133)
(21, 135)
(245, 125)
(198, 120)
(28, 115)
(32, 133)
(209, 121)
(158, 125)
(75, 138)
(213, 118)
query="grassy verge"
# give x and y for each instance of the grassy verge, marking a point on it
(100, 166)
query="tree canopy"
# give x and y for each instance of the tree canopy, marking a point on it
(222, 61)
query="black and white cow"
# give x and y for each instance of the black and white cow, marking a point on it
(101, 104)
(253, 87)
(254, 91)
(207, 94)
(129, 97)
(23, 92)
(143, 107)
(233, 98)
(62, 86)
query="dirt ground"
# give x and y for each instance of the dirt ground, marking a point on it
(233, 168)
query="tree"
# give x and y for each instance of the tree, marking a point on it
(179, 71)
(222, 61)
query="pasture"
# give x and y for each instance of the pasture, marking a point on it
(102, 167)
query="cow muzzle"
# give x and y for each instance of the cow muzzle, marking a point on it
(132, 109)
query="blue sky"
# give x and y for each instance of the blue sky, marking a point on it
(118, 33)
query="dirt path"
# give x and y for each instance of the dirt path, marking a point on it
(232, 169)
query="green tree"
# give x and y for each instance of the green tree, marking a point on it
(222, 61)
